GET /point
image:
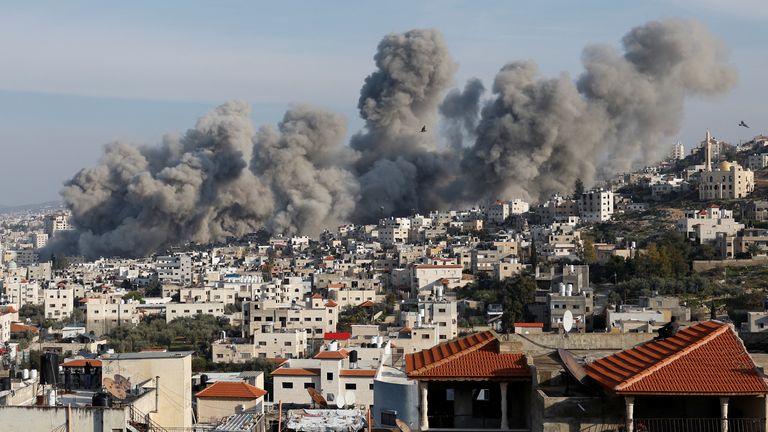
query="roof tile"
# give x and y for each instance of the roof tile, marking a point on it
(231, 390)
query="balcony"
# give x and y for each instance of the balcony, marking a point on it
(699, 425)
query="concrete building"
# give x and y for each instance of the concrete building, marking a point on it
(190, 310)
(728, 181)
(59, 303)
(39, 240)
(757, 161)
(755, 210)
(225, 398)
(55, 223)
(677, 152)
(440, 313)
(175, 269)
(703, 225)
(102, 316)
(313, 315)
(425, 277)
(596, 206)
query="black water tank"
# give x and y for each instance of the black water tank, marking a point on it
(5, 383)
(101, 400)
(49, 368)
(353, 356)
(203, 381)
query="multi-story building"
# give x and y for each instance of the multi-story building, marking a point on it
(175, 269)
(498, 212)
(677, 152)
(313, 315)
(19, 292)
(704, 225)
(190, 310)
(566, 298)
(55, 223)
(425, 277)
(103, 314)
(755, 210)
(439, 312)
(39, 240)
(728, 181)
(286, 345)
(596, 205)
(59, 302)
(757, 161)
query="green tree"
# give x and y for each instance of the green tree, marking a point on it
(589, 253)
(133, 295)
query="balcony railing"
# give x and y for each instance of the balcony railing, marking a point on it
(699, 425)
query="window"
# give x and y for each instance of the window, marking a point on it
(388, 417)
(350, 386)
(287, 385)
(425, 336)
(288, 343)
(329, 376)
(309, 385)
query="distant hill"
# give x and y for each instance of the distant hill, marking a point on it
(30, 207)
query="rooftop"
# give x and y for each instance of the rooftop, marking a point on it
(703, 359)
(470, 357)
(147, 355)
(231, 389)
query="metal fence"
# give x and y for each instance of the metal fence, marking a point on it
(699, 425)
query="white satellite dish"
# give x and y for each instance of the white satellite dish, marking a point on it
(350, 398)
(567, 321)
(340, 402)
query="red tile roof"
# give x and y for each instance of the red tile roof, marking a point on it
(470, 357)
(703, 359)
(81, 363)
(337, 335)
(528, 325)
(366, 304)
(316, 296)
(296, 371)
(332, 355)
(8, 309)
(231, 390)
(363, 373)
(19, 328)
(331, 304)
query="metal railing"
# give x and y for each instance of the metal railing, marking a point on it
(143, 423)
(699, 425)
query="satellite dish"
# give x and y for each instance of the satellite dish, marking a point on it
(403, 426)
(317, 398)
(350, 397)
(567, 321)
(115, 390)
(572, 365)
(340, 402)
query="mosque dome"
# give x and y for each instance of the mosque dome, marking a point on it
(12, 265)
(724, 166)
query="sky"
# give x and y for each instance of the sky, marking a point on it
(77, 75)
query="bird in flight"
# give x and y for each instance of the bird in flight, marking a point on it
(743, 124)
(424, 128)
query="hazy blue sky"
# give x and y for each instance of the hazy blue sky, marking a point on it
(75, 75)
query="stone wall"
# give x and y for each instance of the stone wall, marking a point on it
(702, 266)
(535, 344)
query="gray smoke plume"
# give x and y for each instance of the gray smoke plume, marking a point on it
(539, 135)
(399, 164)
(306, 164)
(533, 137)
(460, 111)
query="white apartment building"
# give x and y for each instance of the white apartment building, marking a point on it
(678, 151)
(596, 205)
(441, 313)
(331, 372)
(425, 277)
(55, 223)
(498, 212)
(59, 302)
(19, 292)
(286, 345)
(346, 297)
(175, 269)
(703, 225)
(392, 234)
(101, 316)
(757, 161)
(190, 310)
(518, 206)
(314, 315)
(8, 315)
(39, 240)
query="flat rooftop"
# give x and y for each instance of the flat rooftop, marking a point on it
(147, 355)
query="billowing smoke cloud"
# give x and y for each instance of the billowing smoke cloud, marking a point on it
(537, 136)
(534, 136)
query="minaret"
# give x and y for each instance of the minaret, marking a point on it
(708, 163)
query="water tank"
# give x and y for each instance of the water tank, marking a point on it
(33, 374)
(333, 346)
(569, 290)
(101, 400)
(51, 397)
(49, 367)
(25, 374)
(353, 356)
(203, 381)
(5, 383)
